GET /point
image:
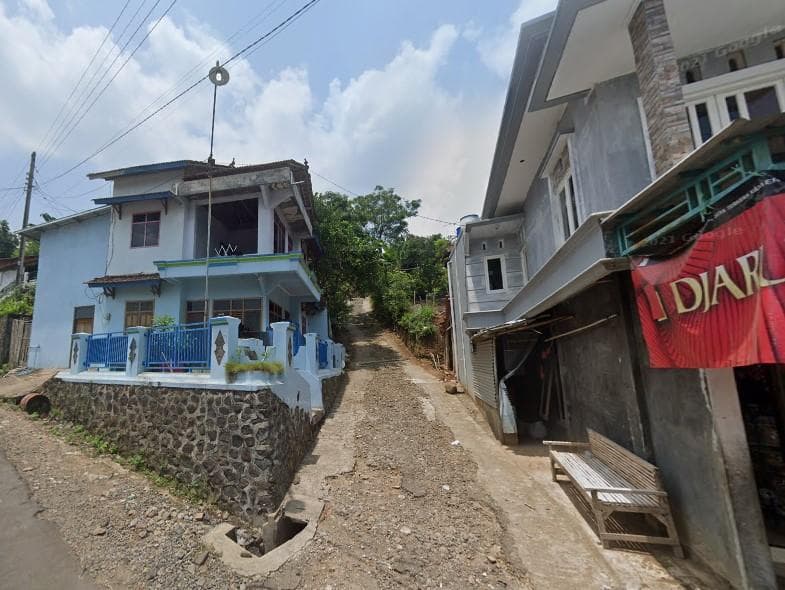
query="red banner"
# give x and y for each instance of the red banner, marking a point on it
(721, 302)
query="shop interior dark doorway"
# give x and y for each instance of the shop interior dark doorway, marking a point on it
(762, 398)
(534, 388)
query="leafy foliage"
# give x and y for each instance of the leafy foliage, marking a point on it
(19, 301)
(234, 368)
(8, 240)
(418, 322)
(164, 321)
(368, 251)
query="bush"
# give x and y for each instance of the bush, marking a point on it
(164, 321)
(19, 301)
(418, 322)
(234, 368)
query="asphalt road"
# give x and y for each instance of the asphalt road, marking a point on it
(32, 554)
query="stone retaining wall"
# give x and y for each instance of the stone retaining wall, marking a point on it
(243, 446)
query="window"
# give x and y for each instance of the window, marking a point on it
(693, 74)
(484, 246)
(145, 228)
(564, 201)
(139, 313)
(194, 312)
(494, 273)
(279, 236)
(779, 49)
(276, 313)
(749, 95)
(248, 311)
(289, 243)
(762, 102)
(736, 61)
(704, 123)
(500, 244)
(83, 319)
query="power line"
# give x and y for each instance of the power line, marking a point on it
(271, 33)
(84, 73)
(117, 73)
(343, 188)
(253, 22)
(89, 88)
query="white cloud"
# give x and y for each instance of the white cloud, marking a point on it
(498, 50)
(37, 8)
(395, 125)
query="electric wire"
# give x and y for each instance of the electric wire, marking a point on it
(89, 88)
(270, 34)
(114, 76)
(343, 188)
(82, 76)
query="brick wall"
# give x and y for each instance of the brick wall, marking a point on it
(658, 77)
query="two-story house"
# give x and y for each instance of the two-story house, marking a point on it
(180, 243)
(632, 129)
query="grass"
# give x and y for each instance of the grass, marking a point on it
(234, 368)
(78, 435)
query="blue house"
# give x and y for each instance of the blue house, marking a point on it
(184, 243)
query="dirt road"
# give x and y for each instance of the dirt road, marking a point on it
(417, 492)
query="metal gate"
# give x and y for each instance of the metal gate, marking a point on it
(484, 371)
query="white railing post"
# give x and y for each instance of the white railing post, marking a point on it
(311, 354)
(137, 350)
(283, 342)
(224, 333)
(78, 352)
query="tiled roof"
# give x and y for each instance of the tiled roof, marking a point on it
(124, 279)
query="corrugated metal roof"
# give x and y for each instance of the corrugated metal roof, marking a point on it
(112, 280)
(144, 169)
(34, 231)
(133, 198)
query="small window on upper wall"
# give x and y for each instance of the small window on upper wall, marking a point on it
(779, 49)
(501, 244)
(736, 61)
(279, 235)
(484, 246)
(693, 74)
(145, 229)
(563, 191)
(494, 273)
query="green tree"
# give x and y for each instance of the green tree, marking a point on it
(383, 214)
(351, 258)
(8, 240)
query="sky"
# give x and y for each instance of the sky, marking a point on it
(405, 94)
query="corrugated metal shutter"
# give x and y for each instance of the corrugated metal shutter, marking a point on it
(484, 371)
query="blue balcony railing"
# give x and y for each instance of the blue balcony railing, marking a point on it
(180, 347)
(321, 348)
(107, 351)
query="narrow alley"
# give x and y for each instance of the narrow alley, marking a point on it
(417, 493)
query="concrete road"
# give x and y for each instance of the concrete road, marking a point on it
(32, 554)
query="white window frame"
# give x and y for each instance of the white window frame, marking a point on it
(502, 260)
(574, 205)
(713, 92)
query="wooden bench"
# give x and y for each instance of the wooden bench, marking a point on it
(615, 480)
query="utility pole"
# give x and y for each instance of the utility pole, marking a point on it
(20, 271)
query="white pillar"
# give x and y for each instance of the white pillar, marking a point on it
(265, 223)
(311, 354)
(224, 331)
(78, 352)
(283, 341)
(137, 350)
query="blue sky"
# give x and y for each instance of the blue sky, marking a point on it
(404, 94)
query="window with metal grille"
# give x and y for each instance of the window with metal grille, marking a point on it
(276, 312)
(139, 313)
(145, 229)
(194, 311)
(248, 311)
(83, 319)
